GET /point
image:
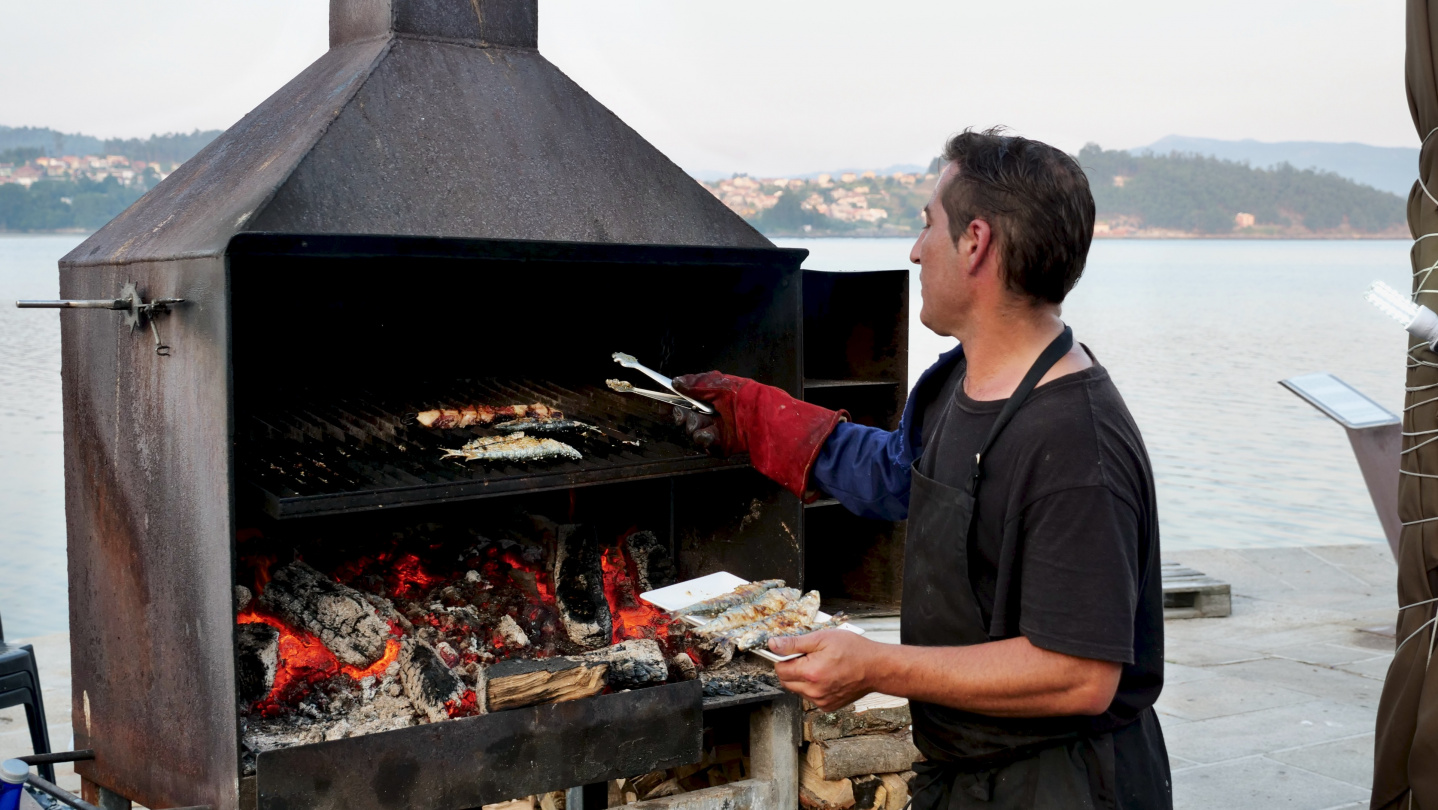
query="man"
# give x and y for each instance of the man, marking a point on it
(1032, 623)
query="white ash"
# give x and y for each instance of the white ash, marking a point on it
(512, 633)
(379, 705)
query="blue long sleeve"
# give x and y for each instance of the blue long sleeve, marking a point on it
(867, 468)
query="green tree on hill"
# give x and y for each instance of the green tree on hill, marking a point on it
(1195, 193)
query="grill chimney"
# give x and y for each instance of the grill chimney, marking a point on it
(483, 23)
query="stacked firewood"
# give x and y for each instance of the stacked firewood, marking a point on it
(859, 757)
(720, 765)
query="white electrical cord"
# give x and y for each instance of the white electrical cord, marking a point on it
(1420, 282)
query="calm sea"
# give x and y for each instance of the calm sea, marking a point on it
(1196, 334)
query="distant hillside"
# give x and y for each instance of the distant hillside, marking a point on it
(1387, 168)
(1193, 194)
(173, 147)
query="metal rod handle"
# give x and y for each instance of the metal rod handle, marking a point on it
(62, 756)
(107, 303)
(60, 793)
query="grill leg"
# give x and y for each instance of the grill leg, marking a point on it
(110, 800)
(594, 797)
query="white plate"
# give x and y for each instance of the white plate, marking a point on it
(683, 594)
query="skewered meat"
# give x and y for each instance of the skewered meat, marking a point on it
(742, 595)
(484, 415)
(795, 617)
(620, 385)
(772, 602)
(513, 447)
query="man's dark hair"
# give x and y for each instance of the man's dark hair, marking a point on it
(1034, 197)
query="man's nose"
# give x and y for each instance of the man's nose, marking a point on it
(914, 251)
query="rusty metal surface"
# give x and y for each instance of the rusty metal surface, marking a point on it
(147, 503)
(491, 758)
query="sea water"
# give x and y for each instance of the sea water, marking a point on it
(1196, 334)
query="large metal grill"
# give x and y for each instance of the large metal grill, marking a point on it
(335, 454)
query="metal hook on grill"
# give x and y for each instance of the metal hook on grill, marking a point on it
(137, 311)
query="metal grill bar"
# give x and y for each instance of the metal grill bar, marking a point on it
(364, 451)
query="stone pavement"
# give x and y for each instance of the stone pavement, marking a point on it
(1271, 708)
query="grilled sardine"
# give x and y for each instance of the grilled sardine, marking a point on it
(742, 595)
(794, 616)
(513, 447)
(537, 425)
(772, 602)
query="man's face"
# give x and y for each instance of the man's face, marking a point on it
(943, 265)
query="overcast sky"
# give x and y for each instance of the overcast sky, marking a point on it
(782, 86)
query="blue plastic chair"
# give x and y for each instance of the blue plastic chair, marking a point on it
(20, 686)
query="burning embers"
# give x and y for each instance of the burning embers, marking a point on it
(419, 632)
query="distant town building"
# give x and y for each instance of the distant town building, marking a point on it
(1119, 181)
(91, 167)
(848, 177)
(1242, 220)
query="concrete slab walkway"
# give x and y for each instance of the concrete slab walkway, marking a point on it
(1273, 707)
(1270, 708)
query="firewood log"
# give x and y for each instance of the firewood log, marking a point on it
(339, 615)
(526, 682)
(818, 793)
(653, 566)
(579, 587)
(870, 793)
(632, 663)
(257, 651)
(428, 683)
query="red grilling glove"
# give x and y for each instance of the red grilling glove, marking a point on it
(781, 434)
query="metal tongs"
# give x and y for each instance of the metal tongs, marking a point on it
(675, 398)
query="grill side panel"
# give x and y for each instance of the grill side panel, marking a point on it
(147, 502)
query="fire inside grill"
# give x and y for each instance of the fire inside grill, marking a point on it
(442, 623)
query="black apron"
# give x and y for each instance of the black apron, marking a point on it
(973, 760)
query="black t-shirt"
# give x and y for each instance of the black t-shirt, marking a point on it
(1069, 486)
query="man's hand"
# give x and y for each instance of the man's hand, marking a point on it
(781, 434)
(701, 428)
(836, 670)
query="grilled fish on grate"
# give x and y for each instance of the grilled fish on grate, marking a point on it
(513, 447)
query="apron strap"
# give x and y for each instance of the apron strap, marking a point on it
(1059, 347)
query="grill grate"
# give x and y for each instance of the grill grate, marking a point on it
(364, 451)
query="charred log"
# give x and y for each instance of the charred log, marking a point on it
(243, 597)
(683, 668)
(257, 655)
(430, 685)
(579, 587)
(653, 565)
(515, 683)
(633, 663)
(339, 615)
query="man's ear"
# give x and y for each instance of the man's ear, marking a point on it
(979, 244)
